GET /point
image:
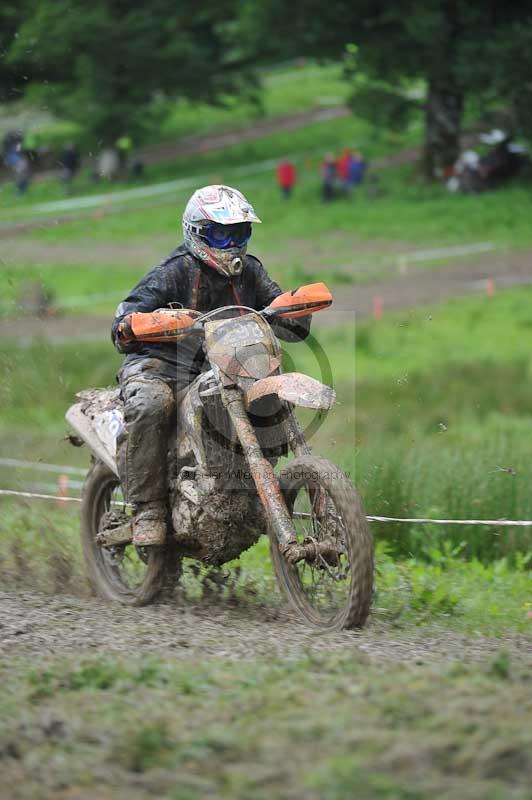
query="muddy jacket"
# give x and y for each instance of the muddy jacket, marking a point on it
(185, 281)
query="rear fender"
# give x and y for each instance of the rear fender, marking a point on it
(98, 437)
(295, 388)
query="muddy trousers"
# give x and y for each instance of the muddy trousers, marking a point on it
(142, 449)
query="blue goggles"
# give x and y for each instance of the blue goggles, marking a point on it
(222, 236)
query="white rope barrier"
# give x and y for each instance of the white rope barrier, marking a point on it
(13, 493)
(59, 498)
(524, 523)
(60, 487)
(509, 523)
(40, 465)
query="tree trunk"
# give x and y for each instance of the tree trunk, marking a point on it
(443, 110)
(443, 118)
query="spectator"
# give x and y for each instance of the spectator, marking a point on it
(108, 164)
(343, 170)
(11, 145)
(286, 177)
(22, 171)
(357, 169)
(70, 162)
(137, 168)
(328, 177)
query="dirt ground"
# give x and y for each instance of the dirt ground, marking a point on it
(428, 285)
(34, 624)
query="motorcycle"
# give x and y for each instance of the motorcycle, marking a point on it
(235, 421)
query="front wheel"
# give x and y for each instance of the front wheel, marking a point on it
(332, 587)
(127, 574)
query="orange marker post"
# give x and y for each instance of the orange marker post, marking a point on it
(62, 487)
(378, 307)
(490, 287)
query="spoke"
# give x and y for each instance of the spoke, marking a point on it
(323, 580)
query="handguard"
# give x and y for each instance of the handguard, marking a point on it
(162, 325)
(300, 302)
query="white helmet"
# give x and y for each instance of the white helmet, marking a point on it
(217, 226)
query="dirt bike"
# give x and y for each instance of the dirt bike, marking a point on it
(235, 421)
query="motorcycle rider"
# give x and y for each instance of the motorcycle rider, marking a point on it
(209, 270)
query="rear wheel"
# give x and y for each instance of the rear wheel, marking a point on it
(331, 588)
(127, 574)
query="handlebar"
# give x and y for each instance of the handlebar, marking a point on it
(164, 325)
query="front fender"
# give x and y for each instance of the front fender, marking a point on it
(295, 388)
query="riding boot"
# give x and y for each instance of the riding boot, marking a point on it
(149, 525)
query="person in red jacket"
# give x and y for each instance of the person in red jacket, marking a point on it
(343, 168)
(286, 177)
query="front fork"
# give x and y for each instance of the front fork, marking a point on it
(268, 488)
(263, 474)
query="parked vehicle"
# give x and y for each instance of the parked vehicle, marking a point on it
(504, 160)
(236, 420)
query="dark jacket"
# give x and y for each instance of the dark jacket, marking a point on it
(185, 281)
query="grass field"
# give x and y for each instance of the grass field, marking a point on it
(320, 726)
(285, 90)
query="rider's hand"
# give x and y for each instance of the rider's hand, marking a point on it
(269, 313)
(125, 334)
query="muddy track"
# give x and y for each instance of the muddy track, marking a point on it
(33, 624)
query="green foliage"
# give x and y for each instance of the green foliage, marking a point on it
(13, 77)
(496, 64)
(42, 380)
(457, 50)
(102, 675)
(41, 545)
(500, 666)
(104, 65)
(144, 748)
(114, 69)
(441, 587)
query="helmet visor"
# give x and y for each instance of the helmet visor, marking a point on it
(222, 236)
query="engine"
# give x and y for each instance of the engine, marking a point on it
(212, 525)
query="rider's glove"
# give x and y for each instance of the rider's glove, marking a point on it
(125, 334)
